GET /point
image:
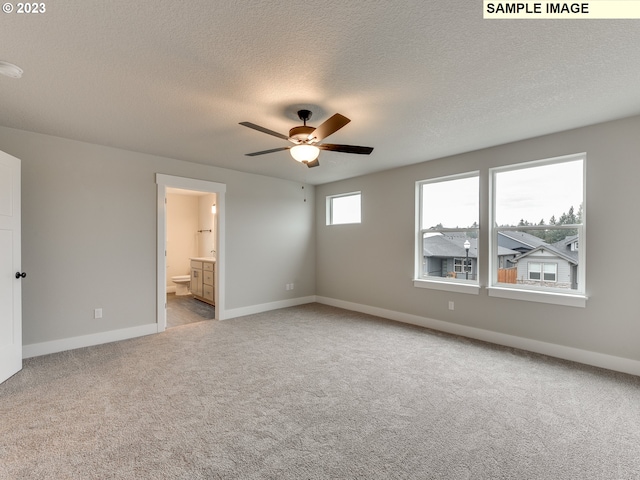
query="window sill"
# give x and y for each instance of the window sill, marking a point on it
(541, 297)
(457, 287)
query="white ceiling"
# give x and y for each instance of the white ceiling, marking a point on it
(419, 79)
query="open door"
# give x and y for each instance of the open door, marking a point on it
(11, 274)
(170, 181)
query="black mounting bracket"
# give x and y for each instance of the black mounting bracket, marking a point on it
(304, 115)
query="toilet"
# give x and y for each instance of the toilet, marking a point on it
(182, 284)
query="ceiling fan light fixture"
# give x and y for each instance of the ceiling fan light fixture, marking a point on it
(306, 139)
(304, 153)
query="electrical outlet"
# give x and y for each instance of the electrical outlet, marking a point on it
(451, 305)
(97, 313)
(292, 285)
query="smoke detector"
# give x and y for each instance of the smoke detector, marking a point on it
(10, 70)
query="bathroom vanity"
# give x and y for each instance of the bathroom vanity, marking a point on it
(202, 279)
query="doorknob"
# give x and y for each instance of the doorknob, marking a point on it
(20, 275)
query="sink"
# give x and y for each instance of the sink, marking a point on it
(204, 259)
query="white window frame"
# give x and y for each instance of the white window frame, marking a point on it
(459, 285)
(330, 207)
(527, 292)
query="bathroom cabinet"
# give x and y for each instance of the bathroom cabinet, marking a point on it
(202, 279)
(196, 278)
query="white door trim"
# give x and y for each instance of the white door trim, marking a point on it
(163, 181)
(10, 284)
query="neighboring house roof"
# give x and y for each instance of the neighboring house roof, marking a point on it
(564, 246)
(451, 244)
(535, 244)
(506, 251)
(554, 251)
(566, 242)
(526, 239)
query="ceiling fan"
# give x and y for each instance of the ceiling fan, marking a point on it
(305, 139)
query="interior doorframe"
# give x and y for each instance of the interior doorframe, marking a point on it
(163, 181)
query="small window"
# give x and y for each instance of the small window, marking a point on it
(344, 208)
(535, 270)
(460, 267)
(550, 272)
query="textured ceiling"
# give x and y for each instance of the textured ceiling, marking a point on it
(419, 79)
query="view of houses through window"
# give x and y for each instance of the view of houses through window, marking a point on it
(538, 224)
(524, 258)
(449, 209)
(537, 238)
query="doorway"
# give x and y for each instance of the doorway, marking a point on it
(165, 183)
(191, 237)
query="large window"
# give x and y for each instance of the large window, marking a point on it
(447, 231)
(344, 208)
(538, 222)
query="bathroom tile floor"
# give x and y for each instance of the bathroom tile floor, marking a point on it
(184, 309)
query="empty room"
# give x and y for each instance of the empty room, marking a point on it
(281, 240)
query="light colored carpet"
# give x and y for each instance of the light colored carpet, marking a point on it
(315, 392)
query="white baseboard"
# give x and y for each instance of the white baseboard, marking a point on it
(55, 346)
(586, 357)
(171, 289)
(266, 307)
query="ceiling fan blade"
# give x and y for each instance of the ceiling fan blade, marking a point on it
(267, 151)
(346, 148)
(264, 130)
(330, 126)
(314, 163)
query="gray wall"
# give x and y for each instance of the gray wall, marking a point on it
(89, 235)
(609, 323)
